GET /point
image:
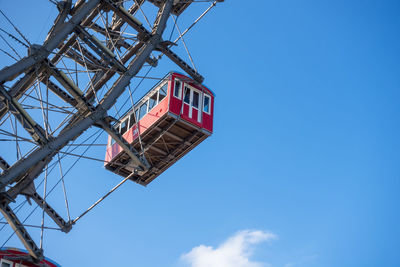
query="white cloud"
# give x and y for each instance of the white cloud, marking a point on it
(234, 252)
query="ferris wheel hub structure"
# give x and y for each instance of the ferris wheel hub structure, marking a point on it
(111, 59)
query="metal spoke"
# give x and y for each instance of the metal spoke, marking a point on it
(63, 186)
(35, 226)
(90, 84)
(184, 43)
(44, 197)
(14, 128)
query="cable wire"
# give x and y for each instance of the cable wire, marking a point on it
(19, 32)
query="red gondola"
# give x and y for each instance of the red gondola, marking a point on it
(13, 257)
(169, 121)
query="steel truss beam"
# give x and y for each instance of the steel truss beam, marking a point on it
(64, 226)
(14, 70)
(115, 36)
(84, 58)
(118, 22)
(60, 92)
(37, 132)
(19, 168)
(37, 66)
(20, 87)
(27, 188)
(144, 34)
(81, 103)
(25, 82)
(26, 180)
(21, 232)
(99, 48)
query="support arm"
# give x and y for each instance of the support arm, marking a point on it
(65, 226)
(21, 232)
(14, 70)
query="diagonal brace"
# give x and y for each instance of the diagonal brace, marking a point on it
(99, 48)
(65, 226)
(21, 232)
(23, 117)
(144, 34)
(132, 153)
(14, 70)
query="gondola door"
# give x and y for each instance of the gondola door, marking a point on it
(192, 104)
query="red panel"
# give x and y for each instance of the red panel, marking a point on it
(176, 104)
(208, 118)
(14, 252)
(150, 118)
(145, 123)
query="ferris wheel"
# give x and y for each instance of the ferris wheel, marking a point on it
(77, 93)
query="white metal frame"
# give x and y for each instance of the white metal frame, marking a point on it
(190, 105)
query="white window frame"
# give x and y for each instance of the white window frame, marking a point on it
(190, 105)
(6, 261)
(148, 105)
(156, 103)
(127, 124)
(192, 89)
(140, 108)
(186, 87)
(209, 103)
(159, 90)
(180, 89)
(192, 98)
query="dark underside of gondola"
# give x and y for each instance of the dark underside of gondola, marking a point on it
(164, 143)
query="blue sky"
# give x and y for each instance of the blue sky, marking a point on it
(303, 167)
